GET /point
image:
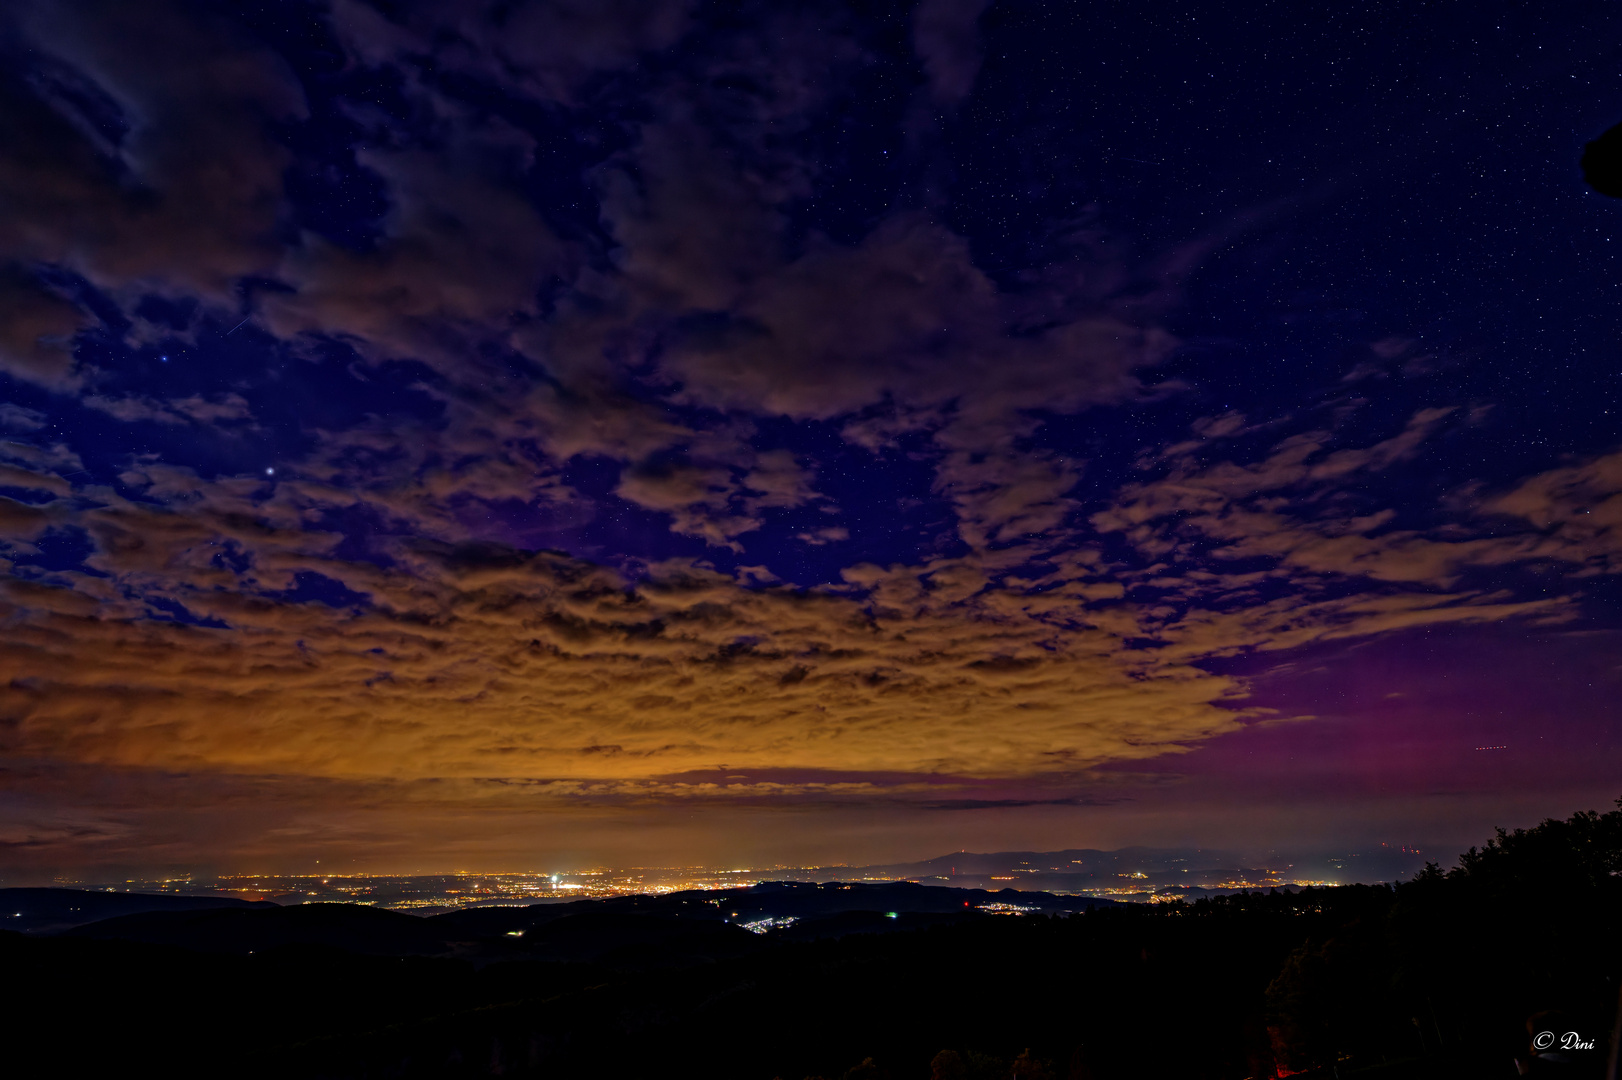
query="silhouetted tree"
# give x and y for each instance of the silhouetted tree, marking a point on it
(867, 1070)
(978, 1066)
(1027, 1067)
(947, 1065)
(1584, 852)
(1298, 1011)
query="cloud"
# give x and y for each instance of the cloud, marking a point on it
(904, 315)
(1290, 507)
(462, 254)
(36, 333)
(1011, 497)
(946, 38)
(1008, 804)
(499, 664)
(1576, 511)
(720, 501)
(193, 409)
(697, 499)
(711, 305)
(56, 458)
(184, 186)
(1254, 511)
(138, 159)
(11, 476)
(906, 319)
(541, 47)
(49, 829)
(476, 661)
(701, 282)
(16, 418)
(832, 534)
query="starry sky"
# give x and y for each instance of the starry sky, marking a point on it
(477, 433)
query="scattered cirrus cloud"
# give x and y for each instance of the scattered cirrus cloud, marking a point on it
(194, 409)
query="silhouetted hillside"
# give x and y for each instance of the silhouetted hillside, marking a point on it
(774, 901)
(629, 940)
(1432, 978)
(635, 931)
(234, 930)
(43, 911)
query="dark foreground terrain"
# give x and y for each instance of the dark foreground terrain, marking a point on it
(1433, 978)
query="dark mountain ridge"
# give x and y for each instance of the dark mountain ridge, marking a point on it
(242, 931)
(46, 911)
(628, 930)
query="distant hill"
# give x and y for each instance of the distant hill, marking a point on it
(624, 932)
(772, 905)
(625, 940)
(245, 930)
(48, 911)
(1134, 873)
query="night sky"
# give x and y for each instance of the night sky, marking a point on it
(481, 434)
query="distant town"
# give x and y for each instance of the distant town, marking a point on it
(1142, 875)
